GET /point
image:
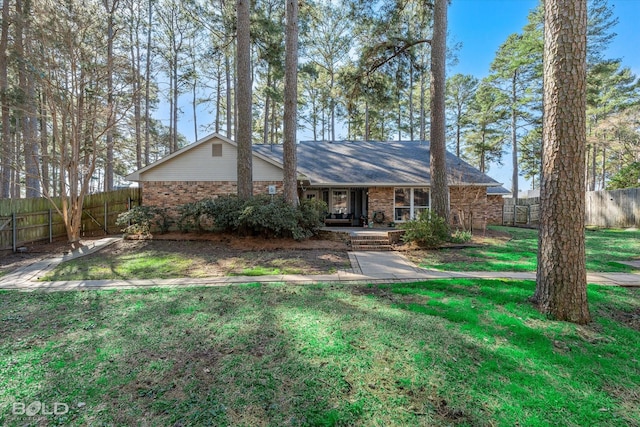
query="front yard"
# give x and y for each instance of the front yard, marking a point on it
(212, 256)
(465, 352)
(515, 249)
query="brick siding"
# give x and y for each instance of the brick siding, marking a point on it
(468, 204)
(495, 206)
(175, 193)
(381, 200)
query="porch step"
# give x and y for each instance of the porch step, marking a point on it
(370, 243)
(370, 247)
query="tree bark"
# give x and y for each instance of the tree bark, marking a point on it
(110, 9)
(243, 100)
(7, 152)
(561, 287)
(229, 118)
(28, 105)
(134, 39)
(439, 188)
(267, 98)
(514, 142)
(290, 123)
(147, 88)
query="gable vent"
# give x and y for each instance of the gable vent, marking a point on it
(216, 150)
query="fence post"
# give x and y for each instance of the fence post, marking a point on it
(106, 216)
(50, 227)
(14, 232)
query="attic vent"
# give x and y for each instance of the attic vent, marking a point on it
(216, 150)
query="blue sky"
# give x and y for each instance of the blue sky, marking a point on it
(483, 25)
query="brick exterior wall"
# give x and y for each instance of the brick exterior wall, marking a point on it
(468, 204)
(175, 193)
(381, 200)
(495, 206)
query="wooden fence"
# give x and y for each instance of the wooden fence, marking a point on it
(613, 208)
(608, 209)
(527, 211)
(29, 220)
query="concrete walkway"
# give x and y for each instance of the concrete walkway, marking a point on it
(367, 267)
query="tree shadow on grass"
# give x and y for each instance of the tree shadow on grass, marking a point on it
(308, 355)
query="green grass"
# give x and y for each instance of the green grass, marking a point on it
(267, 271)
(604, 250)
(448, 352)
(160, 264)
(132, 265)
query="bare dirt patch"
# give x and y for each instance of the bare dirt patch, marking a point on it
(212, 257)
(36, 251)
(212, 254)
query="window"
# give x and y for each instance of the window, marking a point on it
(409, 202)
(310, 195)
(339, 201)
(216, 150)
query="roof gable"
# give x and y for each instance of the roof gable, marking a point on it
(196, 162)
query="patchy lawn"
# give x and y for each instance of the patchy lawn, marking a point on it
(165, 259)
(518, 252)
(465, 352)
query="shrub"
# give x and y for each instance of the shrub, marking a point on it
(460, 236)
(196, 216)
(312, 213)
(224, 211)
(429, 230)
(144, 219)
(271, 217)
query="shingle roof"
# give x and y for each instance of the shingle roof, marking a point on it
(369, 163)
(498, 191)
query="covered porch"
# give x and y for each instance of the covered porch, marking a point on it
(346, 206)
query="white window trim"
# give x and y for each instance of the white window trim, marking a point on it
(411, 202)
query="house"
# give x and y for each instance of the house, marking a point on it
(383, 182)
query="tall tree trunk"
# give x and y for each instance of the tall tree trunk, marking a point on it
(243, 100)
(290, 123)
(594, 173)
(30, 139)
(174, 133)
(411, 100)
(265, 131)
(7, 152)
(227, 69)
(147, 88)
(110, 9)
(367, 124)
(423, 119)
(136, 83)
(439, 188)
(458, 129)
(333, 110)
(218, 97)
(604, 167)
(561, 285)
(398, 101)
(44, 146)
(194, 89)
(514, 142)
